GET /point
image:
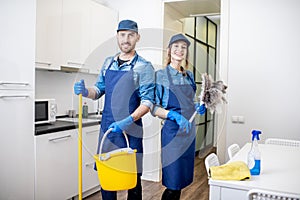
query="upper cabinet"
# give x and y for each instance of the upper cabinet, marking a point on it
(75, 32)
(102, 36)
(17, 49)
(69, 31)
(48, 34)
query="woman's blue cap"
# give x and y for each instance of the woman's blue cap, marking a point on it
(128, 25)
(179, 37)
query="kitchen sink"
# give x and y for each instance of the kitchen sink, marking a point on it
(98, 117)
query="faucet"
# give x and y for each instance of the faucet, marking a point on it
(98, 112)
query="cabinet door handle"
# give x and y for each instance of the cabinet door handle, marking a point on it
(14, 83)
(59, 138)
(91, 164)
(14, 96)
(43, 63)
(92, 132)
(75, 63)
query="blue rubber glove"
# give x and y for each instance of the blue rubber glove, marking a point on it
(183, 123)
(79, 88)
(120, 126)
(201, 109)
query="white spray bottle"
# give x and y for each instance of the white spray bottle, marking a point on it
(254, 154)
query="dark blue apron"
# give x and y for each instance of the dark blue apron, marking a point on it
(178, 148)
(121, 99)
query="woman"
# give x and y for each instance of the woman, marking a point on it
(175, 92)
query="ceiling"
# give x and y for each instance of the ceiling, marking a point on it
(190, 8)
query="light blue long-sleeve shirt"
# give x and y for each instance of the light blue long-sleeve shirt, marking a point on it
(162, 84)
(143, 77)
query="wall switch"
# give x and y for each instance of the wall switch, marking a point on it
(241, 119)
(234, 119)
(238, 119)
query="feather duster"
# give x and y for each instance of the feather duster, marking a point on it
(212, 93)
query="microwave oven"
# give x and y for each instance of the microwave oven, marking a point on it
(45, 111)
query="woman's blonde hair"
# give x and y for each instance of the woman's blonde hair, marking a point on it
(168, 58)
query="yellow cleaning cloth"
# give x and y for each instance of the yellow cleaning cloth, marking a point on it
(237, 170)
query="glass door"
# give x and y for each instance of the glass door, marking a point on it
(202, 33)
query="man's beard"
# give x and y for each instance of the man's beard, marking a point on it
(127, 49)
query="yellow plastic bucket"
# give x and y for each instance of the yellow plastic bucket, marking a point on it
(116, 169)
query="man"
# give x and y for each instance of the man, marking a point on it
(127, 80)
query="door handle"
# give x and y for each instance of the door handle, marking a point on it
(14, 96)
(59, 138)
(14, 83)
(43, 63)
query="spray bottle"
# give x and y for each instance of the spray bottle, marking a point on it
(254, 154)
(85, 110)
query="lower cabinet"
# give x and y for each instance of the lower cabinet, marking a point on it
(226, 193)
(57, 163)
(90, 143)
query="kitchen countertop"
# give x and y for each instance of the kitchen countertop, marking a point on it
(65, 123)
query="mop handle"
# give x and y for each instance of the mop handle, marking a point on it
(80, 148)
(192, 117)
(194, 114)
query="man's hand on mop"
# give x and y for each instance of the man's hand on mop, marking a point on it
(79, 88)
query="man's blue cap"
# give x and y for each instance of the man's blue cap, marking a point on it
(127, 25)
(179, 37)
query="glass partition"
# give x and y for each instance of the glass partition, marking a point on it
(202, 33)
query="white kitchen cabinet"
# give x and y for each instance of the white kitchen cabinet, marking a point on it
(56, 165)
(152, 148)
(102, 38)
(17, 51)
(90, 141)
(75, 32)
(48, 34)
(224, 193)
(85, 28)
(68, 31)
(17, 146)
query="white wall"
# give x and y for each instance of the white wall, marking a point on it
(149, 17)
(221, 119)
(59, 85)
(263, 69)
(148, 14)
(173, 24)
(172, 19)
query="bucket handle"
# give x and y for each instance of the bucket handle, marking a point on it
(102, 141)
